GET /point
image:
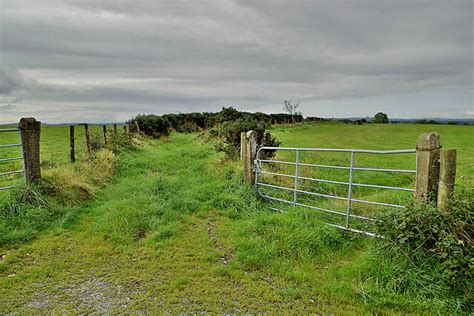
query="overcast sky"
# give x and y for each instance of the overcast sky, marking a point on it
(104, 61)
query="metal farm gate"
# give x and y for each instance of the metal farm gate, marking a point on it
(296, 192)
(11, 159)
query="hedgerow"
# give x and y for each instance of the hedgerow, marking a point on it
(156, 125)
(224, 127)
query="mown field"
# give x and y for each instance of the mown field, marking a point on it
(175, 230)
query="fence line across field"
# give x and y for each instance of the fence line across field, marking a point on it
(20, 145)
(29, 131)
(350, 183)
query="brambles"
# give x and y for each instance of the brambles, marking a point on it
(429, 251)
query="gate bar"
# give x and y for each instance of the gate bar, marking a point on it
(317, 208)
(10, 172)
(338, 182)
(366, 151)
(10, 159)
(10, 187)
(9, 130)
(10, 145)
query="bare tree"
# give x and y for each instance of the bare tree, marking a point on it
(291, 108)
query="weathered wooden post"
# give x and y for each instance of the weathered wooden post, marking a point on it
(447, 177)
(250, 154)
(427, 162)
(104, 129)
(30, 130)
(88, 139)
(115, 129)
(72, 150)
(242, 144)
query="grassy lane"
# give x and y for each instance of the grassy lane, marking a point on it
(150, 241)
(177, 232)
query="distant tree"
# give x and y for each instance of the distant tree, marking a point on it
(291, 108)
(381, 118)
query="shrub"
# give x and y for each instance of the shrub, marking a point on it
(152, 125)
(380, 118)
(428, 251)
(229, 135)
(120, 142)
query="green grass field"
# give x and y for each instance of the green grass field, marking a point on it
(54, 148)
(177, 231)
(376, 137)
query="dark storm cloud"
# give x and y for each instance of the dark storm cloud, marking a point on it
(123, 57)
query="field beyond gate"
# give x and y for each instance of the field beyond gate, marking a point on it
(312, 182)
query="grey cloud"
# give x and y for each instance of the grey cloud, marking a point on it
(10, 81)
(181, 55)
(7, 107)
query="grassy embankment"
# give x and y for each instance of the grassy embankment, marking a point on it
(177, 231)
(64, 185)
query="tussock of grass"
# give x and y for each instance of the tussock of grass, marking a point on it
(67, 186)
(62, 187)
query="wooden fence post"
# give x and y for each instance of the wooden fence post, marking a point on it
(427, 162)
(72, 153)
(88, 139)
(30, 138)
(250, 154)
(447, 177)
(115, 129)
(104, 128)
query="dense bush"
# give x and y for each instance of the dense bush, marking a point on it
(152, 125)
(429, 251)
(380, 118)
(229, 136)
